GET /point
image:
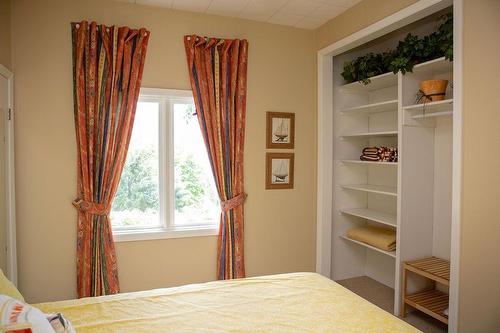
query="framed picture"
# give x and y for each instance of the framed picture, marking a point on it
(280, 130)
(279, 171)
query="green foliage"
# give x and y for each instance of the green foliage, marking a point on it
(138, 187)
(409, 52)
(190, 190)
(445, 36)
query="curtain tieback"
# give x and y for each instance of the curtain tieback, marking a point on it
(233, 202)
(90, 207)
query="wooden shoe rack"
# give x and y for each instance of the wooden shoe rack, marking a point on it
(432, 302)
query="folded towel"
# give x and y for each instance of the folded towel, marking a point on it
(381, 238)
(383, 154)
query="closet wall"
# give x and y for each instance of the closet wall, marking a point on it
(5, 49)
(412, 196)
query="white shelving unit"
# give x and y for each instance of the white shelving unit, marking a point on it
(411, 196)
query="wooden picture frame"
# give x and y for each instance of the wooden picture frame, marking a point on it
(284, 165)
(280, 130)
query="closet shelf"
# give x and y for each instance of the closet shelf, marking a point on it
(385, 106)
(390, 254)
(370, 135)
(376, 82)
(433, 115)
(379, 189)
(372, 215)
(431, 109)
(369, 162)
(436, 66)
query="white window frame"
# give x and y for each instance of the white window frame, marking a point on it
(167, 229)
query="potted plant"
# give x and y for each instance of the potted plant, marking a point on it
(410, 51)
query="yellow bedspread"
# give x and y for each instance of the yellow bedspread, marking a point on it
(297, 302)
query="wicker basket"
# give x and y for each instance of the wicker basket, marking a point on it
(434, 90)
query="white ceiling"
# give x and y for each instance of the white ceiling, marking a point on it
(307, 14)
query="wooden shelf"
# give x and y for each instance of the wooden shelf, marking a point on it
(369, 162)
(436, 66)
(390, 254)
(372, 215)
(432, 302)
(376, 82)
(432, 268)
(370, 135)
(391, 105)
(379, 189)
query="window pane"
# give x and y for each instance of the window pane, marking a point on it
(137, 203)
(195, 196)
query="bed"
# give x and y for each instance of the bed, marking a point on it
(297, 302)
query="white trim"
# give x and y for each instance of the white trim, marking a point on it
(458, 6)
(393, 22)
(10, 180)
(154, 92)
(325, 167)
(142, 235)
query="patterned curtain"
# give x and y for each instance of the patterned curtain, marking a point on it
(107, 72)
(218, 72)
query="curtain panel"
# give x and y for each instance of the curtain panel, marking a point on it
(218, 73)
(107, 69)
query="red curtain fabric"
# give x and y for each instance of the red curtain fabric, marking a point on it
(107, 71)
(218, 72)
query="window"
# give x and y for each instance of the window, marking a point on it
(167, 187)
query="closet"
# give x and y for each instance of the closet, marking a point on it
(412, 196)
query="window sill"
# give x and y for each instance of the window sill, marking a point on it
(152, 234)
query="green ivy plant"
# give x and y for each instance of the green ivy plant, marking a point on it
(410, 51)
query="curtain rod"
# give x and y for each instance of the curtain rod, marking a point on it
(206, 38)
(77, 25)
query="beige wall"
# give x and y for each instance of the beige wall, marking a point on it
(5, 6)
(280, 224)
(356, 18)
(480, 234)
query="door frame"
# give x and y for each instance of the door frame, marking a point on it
(324, 210)
(10, 180)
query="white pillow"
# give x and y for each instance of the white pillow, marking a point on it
(16, 315)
